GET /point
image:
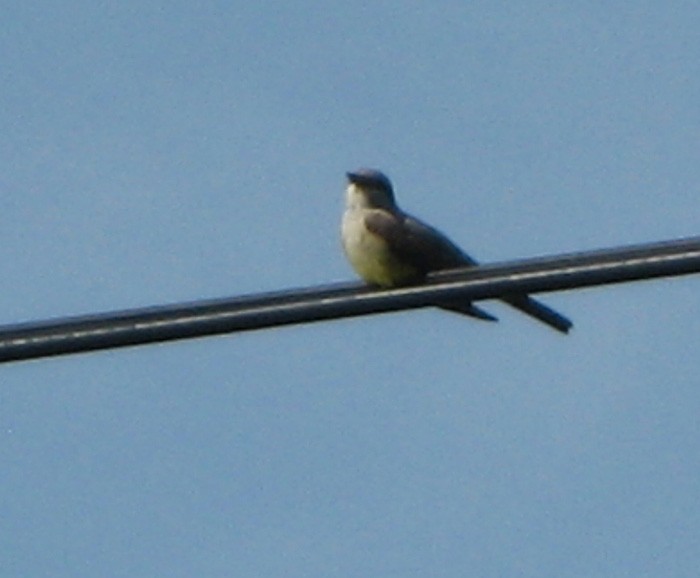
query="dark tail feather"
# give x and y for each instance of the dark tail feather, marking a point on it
(539, 311)
(469, 309)
(522, 303)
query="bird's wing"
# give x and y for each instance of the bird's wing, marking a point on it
(415, 242)
(424, 248)
(427, 249)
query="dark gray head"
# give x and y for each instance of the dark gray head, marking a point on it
(375, 184)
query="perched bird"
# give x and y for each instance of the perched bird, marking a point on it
(388, 247)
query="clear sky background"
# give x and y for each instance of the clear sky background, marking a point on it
(158, 152)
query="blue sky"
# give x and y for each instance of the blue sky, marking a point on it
(157, 152)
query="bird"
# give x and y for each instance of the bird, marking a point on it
(388, 247)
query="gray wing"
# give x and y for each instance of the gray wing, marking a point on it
(424, 248)
(415, 242)
(427, 249)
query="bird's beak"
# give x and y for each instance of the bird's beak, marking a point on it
(353, 177)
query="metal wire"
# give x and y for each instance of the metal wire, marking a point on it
(212, 317)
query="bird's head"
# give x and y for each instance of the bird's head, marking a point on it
(370, 188)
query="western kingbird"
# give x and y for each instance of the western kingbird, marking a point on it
(388, 247)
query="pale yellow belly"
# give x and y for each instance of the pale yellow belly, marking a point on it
(371, 258)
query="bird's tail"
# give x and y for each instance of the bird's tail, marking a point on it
(523, 303)
(533, 308)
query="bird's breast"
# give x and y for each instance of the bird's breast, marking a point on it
(370, 254)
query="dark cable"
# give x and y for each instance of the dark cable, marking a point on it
(212, 317)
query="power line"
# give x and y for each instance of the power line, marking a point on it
(212, 317)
